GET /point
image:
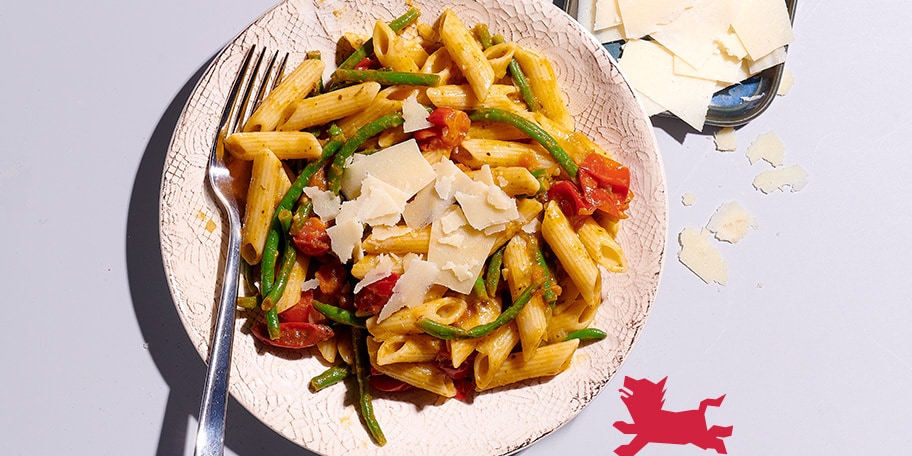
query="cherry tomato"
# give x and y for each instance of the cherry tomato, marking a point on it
(373, 297)
(301, 311)
(605, 184)
(312, 239)
(450, 127)
(295, 334)
(570, 199)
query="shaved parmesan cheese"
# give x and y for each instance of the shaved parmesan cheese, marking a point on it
(786, 82)
(777, 179)
(411, 288)
(643, 17)
(701, 257)
(650, 68)
(688, 199)
(382, 270)
(325, 204)
(345, 239)
(459, 265)
(380, 203)
(691, 36)
(731, 222)
(762, 26)
(768, 147)
(725, 139)
(311, 284)
(414, 114)
(607, 15)
(401, 166)
(721, 42)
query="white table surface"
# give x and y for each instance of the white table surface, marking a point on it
(809, 340)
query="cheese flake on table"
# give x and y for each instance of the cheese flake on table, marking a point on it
(692, 35)
(701, 257)
(731, 222)
(650, 68)
(786, 82)
(642, 17)
(762, 26)
(793, 176)
(725, 139)
(401, 165)
(767, 147)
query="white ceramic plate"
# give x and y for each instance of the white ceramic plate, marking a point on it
(501, 421)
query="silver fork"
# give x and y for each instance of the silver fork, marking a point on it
(242, 100)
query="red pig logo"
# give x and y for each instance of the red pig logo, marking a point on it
(644, 400)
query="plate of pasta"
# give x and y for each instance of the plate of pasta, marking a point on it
(455, 217)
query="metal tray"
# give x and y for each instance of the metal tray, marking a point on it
(732, 106)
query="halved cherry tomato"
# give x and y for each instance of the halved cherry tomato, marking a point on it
(373, 297)
(312, 239)
(570, 199)
(605, 184)
(301, 311)
(295, 334)
(450, 127)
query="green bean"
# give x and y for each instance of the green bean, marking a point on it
(334, 174)
(548, 292)
(300, 216)
(362, 369)
(483, 35)
(450, 332)
(329, 377)
(534, 131)
(587, 334)
(339, 315)
(272, 324)
(492, 275)
(520, 79)
(387, 78)
(479, 289)
(289, 257)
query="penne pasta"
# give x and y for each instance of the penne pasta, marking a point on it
(291, 145)
(467, 54)
(602, 246)
(543, 81)
(328, 107)
(300, 82)
(520, 267)
(462, 96)
(268, 182)
(550, 360)
(426, 376)
(408, 349)
(571, 253)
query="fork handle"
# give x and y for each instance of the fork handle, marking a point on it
(210, 437)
